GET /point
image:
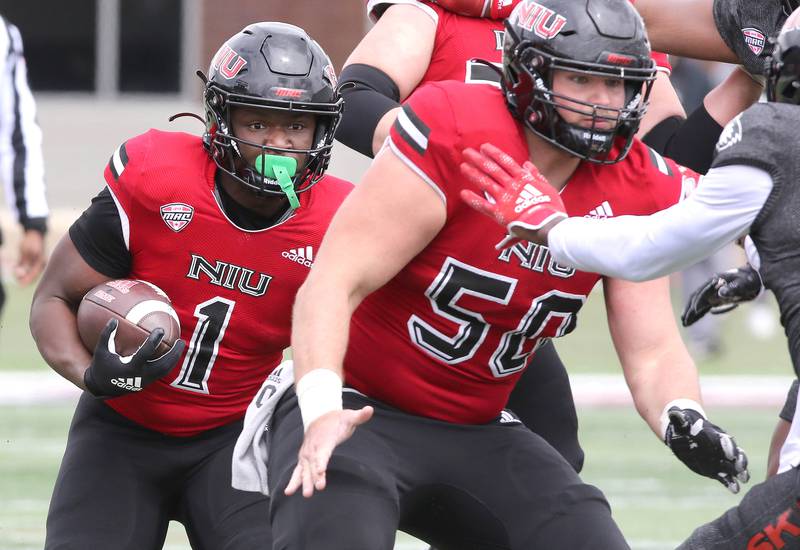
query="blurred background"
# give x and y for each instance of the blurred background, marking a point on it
(105, 70)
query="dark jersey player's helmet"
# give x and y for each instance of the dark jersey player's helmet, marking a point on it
(271, 66)
(783, 73)
(603, 38)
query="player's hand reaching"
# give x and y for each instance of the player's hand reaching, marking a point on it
(722, 292)
(321, 438)
(111, 375)
(493, 9)
(705, 448)
(518, 198)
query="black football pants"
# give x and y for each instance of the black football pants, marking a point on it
(120, 484)
(542, 399)
(458, 487)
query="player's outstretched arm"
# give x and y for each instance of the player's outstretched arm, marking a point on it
(685, 28)
(386, 221)
(382, 71)
(52, 321)
(663, 380)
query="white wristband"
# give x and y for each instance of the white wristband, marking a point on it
(681, 404)
(318, 392)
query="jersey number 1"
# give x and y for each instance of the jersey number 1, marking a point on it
(213, 317)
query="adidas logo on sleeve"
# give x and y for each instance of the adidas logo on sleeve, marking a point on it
(303, 256)
(130, 384)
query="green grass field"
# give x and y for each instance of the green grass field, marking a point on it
(656, 500)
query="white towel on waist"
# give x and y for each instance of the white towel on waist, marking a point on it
(249, 465)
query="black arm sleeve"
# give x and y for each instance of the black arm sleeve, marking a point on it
(689, 142)
(97, 235)
(369, 93)
(787, 413)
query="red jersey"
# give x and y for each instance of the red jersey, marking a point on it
(460, 40)
(233, 289)
(451, 333)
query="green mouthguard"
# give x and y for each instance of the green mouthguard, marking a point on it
(280, 169)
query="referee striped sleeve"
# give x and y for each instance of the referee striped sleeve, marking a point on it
(21, 158)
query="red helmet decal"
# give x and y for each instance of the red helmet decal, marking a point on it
(291, 93)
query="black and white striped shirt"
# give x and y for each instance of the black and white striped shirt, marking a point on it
(21, 158)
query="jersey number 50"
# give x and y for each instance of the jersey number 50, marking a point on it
(457, 279)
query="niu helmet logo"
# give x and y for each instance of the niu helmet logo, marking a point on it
(543, 21)
(177, 215)
(228, 62)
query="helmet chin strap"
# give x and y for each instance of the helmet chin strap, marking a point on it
(281, 169)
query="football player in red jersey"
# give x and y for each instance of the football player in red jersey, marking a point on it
(432, 326)
(435, 44)
(258, 202)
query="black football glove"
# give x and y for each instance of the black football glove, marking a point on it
(705, 448)
(111, 375)
(722, 292)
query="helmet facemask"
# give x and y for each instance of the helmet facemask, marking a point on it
(528, 85)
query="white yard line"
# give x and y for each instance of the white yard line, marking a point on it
(601, 390)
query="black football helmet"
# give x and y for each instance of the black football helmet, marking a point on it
(271, 66)
(592, 37)
(783, 73)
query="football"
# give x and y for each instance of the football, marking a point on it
(139, 306)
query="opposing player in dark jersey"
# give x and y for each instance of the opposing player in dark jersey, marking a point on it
(254, 202)
(751, 189)
(432, 326)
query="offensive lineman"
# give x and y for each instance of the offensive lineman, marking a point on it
(435, 44)
(456, 323)
(255, 192)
